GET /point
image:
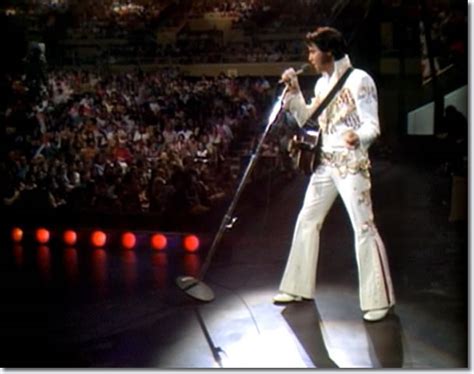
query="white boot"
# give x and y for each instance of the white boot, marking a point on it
(376, 315)
(284, 298)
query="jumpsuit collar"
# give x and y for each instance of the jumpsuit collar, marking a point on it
(340, 66)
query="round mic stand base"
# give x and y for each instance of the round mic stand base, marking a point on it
(195, 288)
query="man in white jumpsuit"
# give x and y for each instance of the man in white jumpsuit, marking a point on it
(349, 125)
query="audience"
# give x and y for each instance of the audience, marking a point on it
(128, 143)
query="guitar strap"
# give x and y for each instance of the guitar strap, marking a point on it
(312, 121)
(308, 155)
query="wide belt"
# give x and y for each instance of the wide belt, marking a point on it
(346, 162)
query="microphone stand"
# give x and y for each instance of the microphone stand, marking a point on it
(194, 286)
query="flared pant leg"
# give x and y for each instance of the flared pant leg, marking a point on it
(375, 283)
(299, 277)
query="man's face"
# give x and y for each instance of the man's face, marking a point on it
(321, 61)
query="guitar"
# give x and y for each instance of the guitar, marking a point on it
(303, 149)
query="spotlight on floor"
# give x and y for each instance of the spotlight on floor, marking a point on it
(42, 235)
(98, 238)
(128, 240)
(159, 242)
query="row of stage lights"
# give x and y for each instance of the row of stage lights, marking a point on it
(98, 239)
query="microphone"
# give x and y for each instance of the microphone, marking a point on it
(301, 70)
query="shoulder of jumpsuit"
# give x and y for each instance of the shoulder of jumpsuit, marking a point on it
(359, 78)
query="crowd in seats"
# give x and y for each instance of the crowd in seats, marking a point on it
(89, 19)
(126, 32)
(238, 9)
(266, 51)
(127, 143)
(40, 7)
(212, 51)
(135, 24)
(113, 18)
(263, 14)
(109, 20)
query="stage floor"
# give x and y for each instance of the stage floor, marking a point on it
(115, 308)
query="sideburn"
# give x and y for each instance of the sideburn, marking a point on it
(327, 62)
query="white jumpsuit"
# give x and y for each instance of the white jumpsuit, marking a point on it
(344, 171)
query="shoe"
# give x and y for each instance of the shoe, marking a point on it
(376, 315)
(284, 298)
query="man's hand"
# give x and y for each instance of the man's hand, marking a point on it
(290, 78)
(352, 139)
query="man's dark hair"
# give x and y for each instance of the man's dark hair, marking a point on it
(328, 39)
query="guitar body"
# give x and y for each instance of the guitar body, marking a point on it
(304, 150)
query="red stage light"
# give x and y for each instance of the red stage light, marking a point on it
(98, 238)
(70, 237)
(191, 243)
(159, 242)
(128, 240)
(17, 234)
(42, 236)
